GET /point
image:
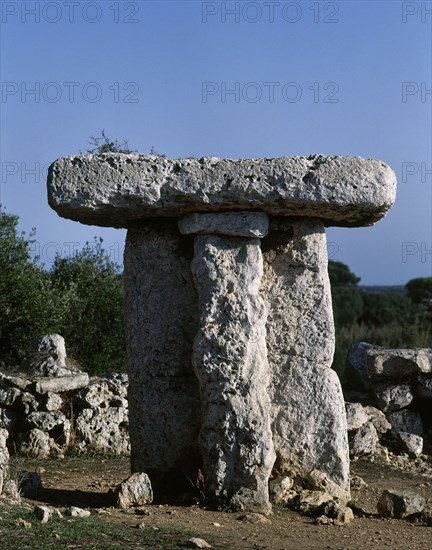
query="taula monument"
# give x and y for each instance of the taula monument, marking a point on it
(230, 325)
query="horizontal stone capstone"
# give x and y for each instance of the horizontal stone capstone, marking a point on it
(118, 189)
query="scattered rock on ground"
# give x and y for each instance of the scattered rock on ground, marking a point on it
(412, 444)
(196, 542)
(136, 490)
(395, 504)
(76, 512)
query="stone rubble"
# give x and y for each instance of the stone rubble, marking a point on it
(395, 401)
(52, 407)
(101, 424)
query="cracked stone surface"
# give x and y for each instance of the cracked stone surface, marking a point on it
(116, 189)
(162, 321)
(308, 413)
(233, 224)
(230, 360)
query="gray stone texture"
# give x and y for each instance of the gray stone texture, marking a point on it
(255, 381)
(399, 504)
(410, 443)
(392, 397)
(162, 321)
(309, 420)
(356, 369)
(306, 402)
(356, 416)
(230, 361)
(364, 441)
(115, 189)
(136, 490)
(230, 224)
(52, 345)
(378, 419)
(103, 430)
(61, 384)
(406, 421)
(398, 364)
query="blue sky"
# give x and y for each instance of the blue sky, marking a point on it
(343, 77)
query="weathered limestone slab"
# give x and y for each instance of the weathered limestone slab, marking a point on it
(62, 383)
(115, 189)
(309, 421)
(231, 224)
(162, 321)
(230, 360)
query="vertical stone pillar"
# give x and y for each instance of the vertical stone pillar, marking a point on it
(308, 413)
(162, 321)
(230, 358)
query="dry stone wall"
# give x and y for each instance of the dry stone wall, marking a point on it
(51, 408)
(394, 387)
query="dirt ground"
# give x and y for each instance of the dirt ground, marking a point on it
(85, 482)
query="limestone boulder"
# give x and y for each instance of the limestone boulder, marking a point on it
(76, 512)
(406, 421)
(61, 384)
(411, 444)
(392, 397)
(115, 189)
(15, 380)
(136, 490)
(13, 398)
(34, 443)
(9, 420)
(55, 424)
(52, 402)
(9, 396)
(40, 365)
(356, 369)
(230, 361)
(397, 504)
(103, 429)
(378, 419)
(118, 382)
(280, 489)
(356, 416)
(314, 502)
(398, 364)
(162, 321)
(52, 345)
(94, 395)
(364, 441)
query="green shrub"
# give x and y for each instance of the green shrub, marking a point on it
(28, 307)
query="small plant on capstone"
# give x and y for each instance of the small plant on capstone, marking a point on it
(154, 152)
(103, 144)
